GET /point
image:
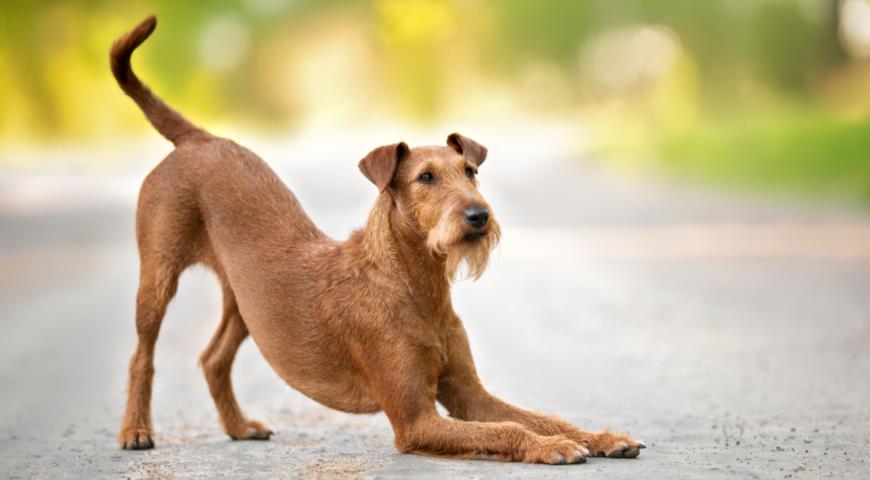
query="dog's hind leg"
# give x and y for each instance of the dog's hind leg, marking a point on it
(157, 285)
(217, 360)
(168, 233)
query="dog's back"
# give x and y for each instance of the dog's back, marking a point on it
(243, 199)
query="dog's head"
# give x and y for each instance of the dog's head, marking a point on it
(435, 192)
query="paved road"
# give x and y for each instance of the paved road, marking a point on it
(732, 335)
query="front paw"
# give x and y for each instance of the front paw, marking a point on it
(613, 445)
(555, 450)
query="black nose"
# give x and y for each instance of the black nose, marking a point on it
(476, 216)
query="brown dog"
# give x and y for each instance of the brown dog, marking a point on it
(359, 326)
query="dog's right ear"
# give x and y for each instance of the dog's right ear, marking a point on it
(380, 164)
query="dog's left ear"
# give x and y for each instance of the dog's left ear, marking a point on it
(380, 164)
(468, 148)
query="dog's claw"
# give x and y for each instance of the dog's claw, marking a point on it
(254, 430)
(138, 445)
(252, 436)
(626, 451)
(614, 445)
(556, 450)
(580, 457)
(620, 453)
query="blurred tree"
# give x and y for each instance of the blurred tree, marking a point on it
(55, 81)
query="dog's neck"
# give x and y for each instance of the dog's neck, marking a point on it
(394, 245)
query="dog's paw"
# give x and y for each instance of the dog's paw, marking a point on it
(136, 438)
(556, 450)
(251, 430)
(614, 445)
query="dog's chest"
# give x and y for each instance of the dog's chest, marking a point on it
(430, 340)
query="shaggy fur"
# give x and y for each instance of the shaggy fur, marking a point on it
(360, 326)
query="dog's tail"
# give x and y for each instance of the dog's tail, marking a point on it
(167, 121)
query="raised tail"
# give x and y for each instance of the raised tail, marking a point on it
(167, 121)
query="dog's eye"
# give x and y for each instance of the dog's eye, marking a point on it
(469, 172)
(426, 177)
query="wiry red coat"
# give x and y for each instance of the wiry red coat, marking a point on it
(361, 325)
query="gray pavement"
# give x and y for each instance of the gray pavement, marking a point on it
(731, 334)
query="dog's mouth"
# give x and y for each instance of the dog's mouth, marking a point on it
(473, 236)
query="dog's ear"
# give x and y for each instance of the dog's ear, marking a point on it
(468, 148)
(380, 164)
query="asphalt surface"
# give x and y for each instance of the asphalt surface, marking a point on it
(730, 334)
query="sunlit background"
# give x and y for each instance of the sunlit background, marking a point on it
(771, 94)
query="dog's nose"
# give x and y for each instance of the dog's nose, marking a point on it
(476, 216)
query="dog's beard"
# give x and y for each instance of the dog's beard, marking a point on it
(466, 254)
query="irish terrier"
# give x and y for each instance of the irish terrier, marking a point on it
(360, 326)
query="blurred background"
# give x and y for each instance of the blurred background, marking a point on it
(683, 189)
(770, 94)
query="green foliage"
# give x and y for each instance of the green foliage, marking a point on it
(53, 53)
(724, 110)
(804, 154)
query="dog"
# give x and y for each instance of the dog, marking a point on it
(360, 326)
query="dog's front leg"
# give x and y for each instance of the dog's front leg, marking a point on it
(462, 394)
(431, 434)
(404, 385)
